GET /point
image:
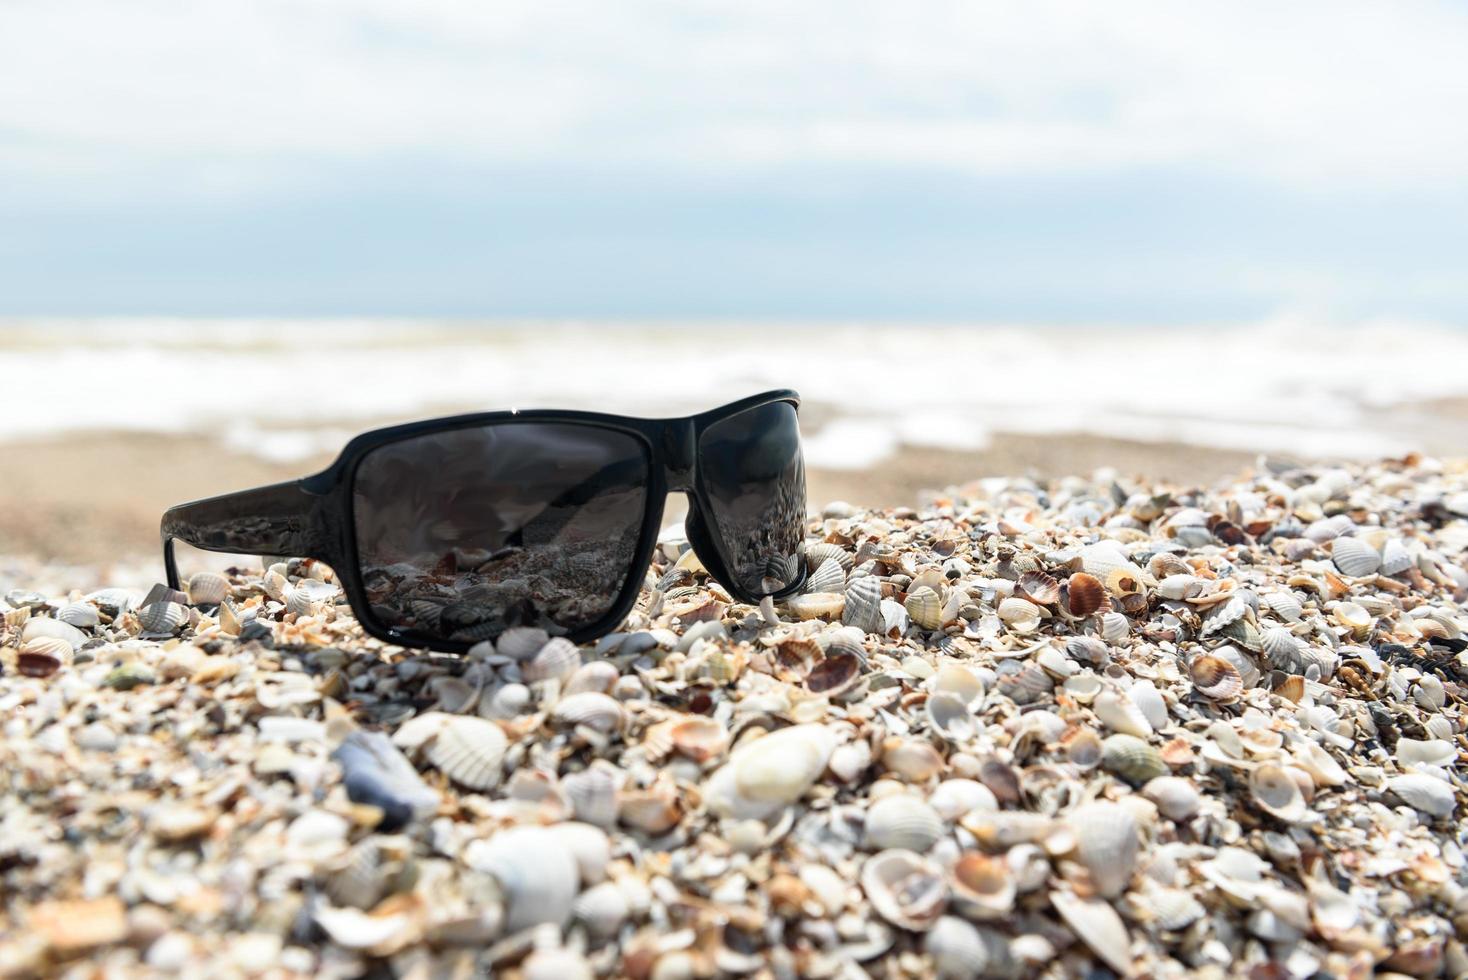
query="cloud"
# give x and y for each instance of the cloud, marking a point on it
(1316, 94)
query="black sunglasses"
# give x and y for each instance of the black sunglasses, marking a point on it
(447, 532)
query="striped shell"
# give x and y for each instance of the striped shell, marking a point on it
(1215, 677)
(1040, 588)
(593, 793)
(468, 750)
(1020, 615)
(1224, 614)
(591, 709)
(904, 888)
(1118, 712)
(1284, 650)
(163, 617)
(924, 608)
(1107, 844)
(1085, 595)
(1098, 926)
(901, 821)
(1151, 703)
(961, 950)
(1169, 908)
(42, 656)
(208, 589)
(1176, 798)
(558, 659)
(818, 554)
(82, 615)
(863, 604)
(521, 642)
(1286, 605)
(1354, 557)
(1114, 627)
(1395, 558)
(1132, 759)
(599, 675)
(602, 909)
(827, 577)
(1424, 793)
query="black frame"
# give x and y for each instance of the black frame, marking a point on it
(313, 518)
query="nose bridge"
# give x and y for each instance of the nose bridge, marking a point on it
(680, 453)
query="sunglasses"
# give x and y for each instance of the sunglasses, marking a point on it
(447, 532)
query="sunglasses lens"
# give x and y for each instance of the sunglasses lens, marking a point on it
(464, 533)
(753, 474)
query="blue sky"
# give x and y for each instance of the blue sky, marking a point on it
(1134, 162)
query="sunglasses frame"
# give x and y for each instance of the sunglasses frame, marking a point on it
(313, 517)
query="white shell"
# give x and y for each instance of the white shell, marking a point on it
(82, 615)
(468, 750)
(1354, 557)
(505, 701)
(1107, 844)
(952, 798)
(208, 589)
(521, 642)
(904, 888)
(593, 792)
(949, 716)
(1149, 700)
(1176, 798)
(1320, 764)
(925, 608)
(1432, 752)
(590, 708)
(816, 605)
(863, 604)
(1098, 926)
(589, 845)
(1277, 793)
(961, 950)
(163, 617)
(901, 821)
(1286, 605)
(536, 871)
(602, 909)
(1020, 615)
(1118, 712)
(558, 659)
(828, 576)
(599, 675)
(353, 929)
(1395, 558)
(767, 774)
(1424, 793)
(1114, 627)
(958, 681)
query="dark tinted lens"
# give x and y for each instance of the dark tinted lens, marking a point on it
(753, 473)
(461, 534)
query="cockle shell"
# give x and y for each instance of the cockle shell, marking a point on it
(1020, 615)
(521, 642)
(1179, 586)
(924, 608)
(824, 551)
(1354, 557)
(536, 871)
(863, 608)
(505, 701)
(208, 589)
(816, 605)
(1424, 793)
(1039, 587)
(1084, 687)
(955, 797)
(163, 617)
(1082, 748)
(558, 659)
(828, 576)
(1106, 844)
(767, 774)
(599, 675)
(1320, 764)
(1286, 605)
(1353, 616)
(1169, 908)
(42, 656)
(962, 951)
(834, 674)
(1276, 792)
(950, 717)
(1098, 926)
(983, 885)
(912, 759)
(904, 888)
(1114, 627)
(1131, 758)
(1085, 595)
(700, 738)
(1176, 798)
(600, 712)
(82, 615)
(1149, 700)
(1431, 752)
(593, 791)
(1215, 677)
(468, 750)
(958, 681)
(901, 821)
(1395, 558)
(1118, 712)
(602, 909)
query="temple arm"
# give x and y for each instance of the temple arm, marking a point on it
(282, 520)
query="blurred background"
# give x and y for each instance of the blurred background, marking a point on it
(981, 239)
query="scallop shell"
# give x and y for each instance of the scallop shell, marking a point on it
(1215, 677)
(912, 759)
(593, 791)
(1286, 605)
(925, 608)
(1433, 752)
(1114, 627)
(1082, 748)
(1040, 588)
(1170, 909)
(816, 605)
(1395, 558)
(1106, 844)
(505, 702)
(824, 551)
(1354, 557)
(1176, 798)
(592, 709)
(863, 608)
(163, 617)
(955, 797)
(468, 750)
(602, 909)
(1224, 614)
(1118, 712)
(1424, 793)
(42, 656)
(599, 675)
(958, 681)
(1020, 615)
(82, 615)
(1097, 925)
(1027, 683)
(904, 888)
(1284, 650)
(1085, 595)
(1277, 793)
(961, 951)
(699, 738)
(834, 675)
(901, 821)
(949, 716)
(208, 589)
(767, 774)
(558, 659)
(983, 886)
(521, 642)
(1132, 759)
(536, 871)
(828, 576)
(1149, 700)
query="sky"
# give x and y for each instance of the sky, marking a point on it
(1139, 161)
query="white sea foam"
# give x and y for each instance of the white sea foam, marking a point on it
(287, 389)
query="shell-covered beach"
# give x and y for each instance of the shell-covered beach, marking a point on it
(1023, 729)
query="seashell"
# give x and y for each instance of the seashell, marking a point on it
(1176, 798)
(593, 791)
(1292, 688)
(901, 821)
(953, 798)
(1025, 683)
(1242, 662)
(1353, 616)
(1170, 909)
(1179, 586)
(1424, 793)
(1104, 557)
(558, 659)
(863, 608)
(1319, 763)
(42, 656)
(1224, 614)
(961, 951)
(1284, 650)
(505, 702)
(163, 617)
(1088, 650)
(357, 881)
(207, 589)
(1106, 844)
(655, 810)
(602, 909)
(1432, 752)
(1085, 595)
(357, 930)
(816, 605)
(521, 642)
(850, 760)
(818, 554)
(767, 774)
(82, 615)
(983, 886)
(914, 760)
(599, 675)
(376, 774)
(950, 717)
(924, 608)
(468, 750)
(958, 681)
(1354, 557)
(1097, 925)
(1277, 793)
(1132, 759)
(535, 870)
(834, 674)
(1429, 693)
(1040, 588)
(1082, 748)
(1149, 701)
(1083, 688)
(1395, 558)
(1116, 710)
(1286, 605)
(1215, 677)
(905, 889)
(1114, 627)
(828, 576)
(1020, 615)
(599, 712)
(699, 738)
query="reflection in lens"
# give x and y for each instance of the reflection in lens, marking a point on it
(464, 533)
(752, 470)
